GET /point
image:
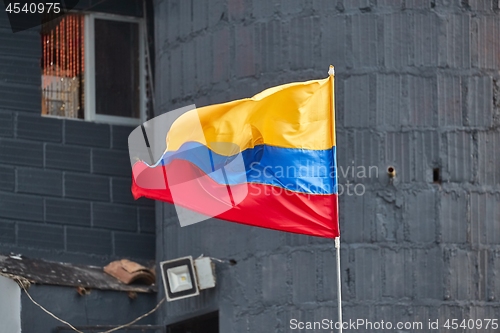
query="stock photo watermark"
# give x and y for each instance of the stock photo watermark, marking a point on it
(383, 325)
(24, 15)
(309, 178)
(214, 177)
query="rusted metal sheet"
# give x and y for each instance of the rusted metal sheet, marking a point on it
(40, 271)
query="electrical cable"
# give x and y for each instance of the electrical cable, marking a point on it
(22, 285)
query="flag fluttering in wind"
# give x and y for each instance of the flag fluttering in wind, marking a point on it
(267, 161)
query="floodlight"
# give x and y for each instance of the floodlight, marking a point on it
(179, 278)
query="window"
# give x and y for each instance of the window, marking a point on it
(94, 68)
(208, 323)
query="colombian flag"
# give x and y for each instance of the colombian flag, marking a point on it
(267, 161)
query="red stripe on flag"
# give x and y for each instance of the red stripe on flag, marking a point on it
(257, 205)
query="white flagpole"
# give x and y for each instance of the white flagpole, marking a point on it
(331, 72)
(339, 282)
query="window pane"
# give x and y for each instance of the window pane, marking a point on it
(63, 67)
(117, 68)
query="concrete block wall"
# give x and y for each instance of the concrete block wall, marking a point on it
(96, 308)
(64, 184)
(417, 87)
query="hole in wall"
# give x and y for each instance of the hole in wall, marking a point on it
(391, 171)
(436, 175)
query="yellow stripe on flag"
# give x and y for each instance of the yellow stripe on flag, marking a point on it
(293, 115)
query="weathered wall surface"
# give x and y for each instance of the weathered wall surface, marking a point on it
(417, 87)
(64, 184)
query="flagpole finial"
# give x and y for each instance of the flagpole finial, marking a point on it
(331, 71)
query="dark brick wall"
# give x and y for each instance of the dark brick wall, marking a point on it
(64, 184)
(417, 87)
(96, 308)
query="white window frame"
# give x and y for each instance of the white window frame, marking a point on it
(89, 72)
